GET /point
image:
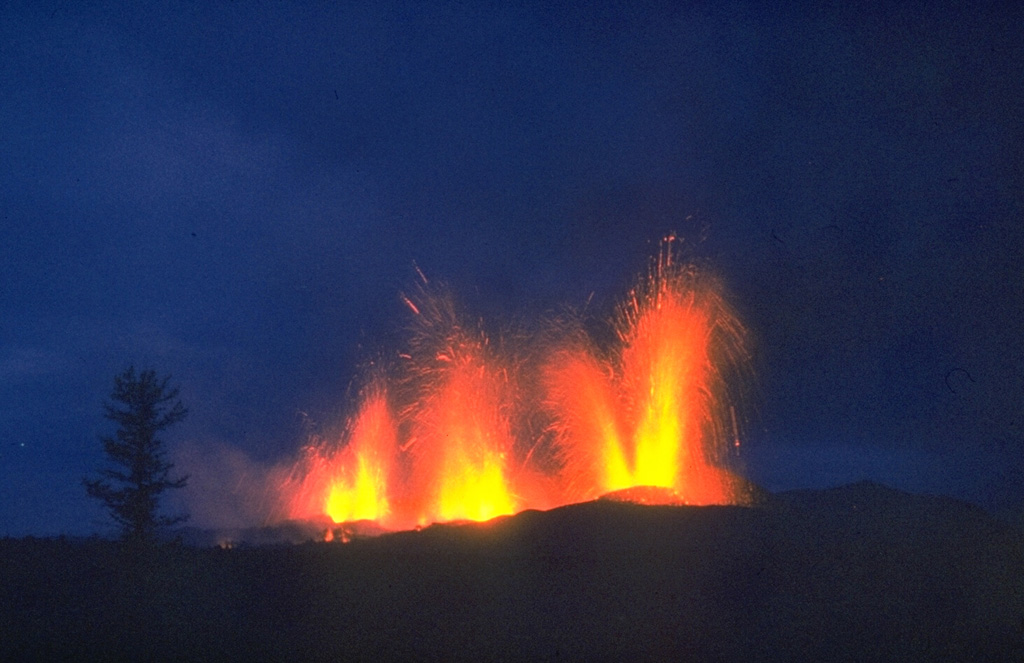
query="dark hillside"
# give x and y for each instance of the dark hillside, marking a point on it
(858, 573)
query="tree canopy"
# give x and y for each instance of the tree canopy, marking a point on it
(141, 405)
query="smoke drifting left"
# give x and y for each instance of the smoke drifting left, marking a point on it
(227, 489)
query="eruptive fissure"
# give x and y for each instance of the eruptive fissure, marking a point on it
(459, 429)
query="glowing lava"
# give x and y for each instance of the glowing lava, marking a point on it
(443, 437)
(360, 488)
(461, 435)
(645, 415)
(350, 481)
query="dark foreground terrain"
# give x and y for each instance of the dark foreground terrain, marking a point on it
(855, 573)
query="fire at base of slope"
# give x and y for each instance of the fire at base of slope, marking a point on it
(464, 428)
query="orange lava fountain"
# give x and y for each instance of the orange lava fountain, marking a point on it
(646, 415)
(359, 490)
(643, 419)
(349, 481)
(461, 438)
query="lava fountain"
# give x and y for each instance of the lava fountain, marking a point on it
(647, 413)
(460, 437)
(442, 437)
(350, 479)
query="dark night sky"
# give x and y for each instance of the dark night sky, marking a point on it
(235, 194)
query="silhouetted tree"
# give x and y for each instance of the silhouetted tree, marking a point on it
(142, 406)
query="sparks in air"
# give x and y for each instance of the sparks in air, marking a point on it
(462, 428)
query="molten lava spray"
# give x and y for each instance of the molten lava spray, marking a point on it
(645, 413)
(359, 490)
(349, 480)
(461, 438)
(442, 439)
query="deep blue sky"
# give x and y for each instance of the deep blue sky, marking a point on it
(235, 193)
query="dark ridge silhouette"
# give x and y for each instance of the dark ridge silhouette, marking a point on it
(861, 572)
